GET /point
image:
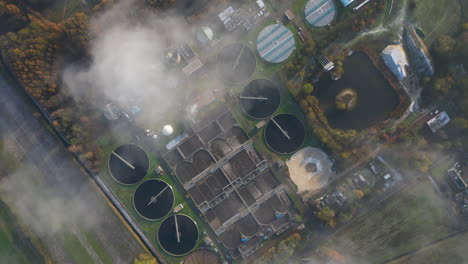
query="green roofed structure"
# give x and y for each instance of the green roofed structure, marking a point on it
(346, 2)
(319, 13)
(275, 43)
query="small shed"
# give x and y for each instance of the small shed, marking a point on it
(438, 121)
(289, 15)
(111, 112)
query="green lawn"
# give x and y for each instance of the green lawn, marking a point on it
(105, 258)
(435, 18)
(9, 253)
(62, 9)
(406, 221)
(411, 118)
(251, 37)
(439, 171)
(298, 7)
(15, 247)
(75, 249)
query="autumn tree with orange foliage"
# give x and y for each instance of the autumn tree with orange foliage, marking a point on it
(31, 54)
(75, 33)
(12, 17)
(145, 258)
(331, 255)
(359, 194)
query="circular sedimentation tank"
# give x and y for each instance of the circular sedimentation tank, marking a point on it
(319, 13)
(284, 133)
(178, 234)
(128, 164)
(236, 63)
(275, 43)
(153, 199)
(260, 99)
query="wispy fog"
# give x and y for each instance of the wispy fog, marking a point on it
(126, 64)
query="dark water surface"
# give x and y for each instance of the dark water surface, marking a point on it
(376, 98)
(277, 140)
(188, 234)
(146, 203)
(260, 108)
(236, 63)
(134, 155)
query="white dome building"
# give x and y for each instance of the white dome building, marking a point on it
(394, 57)
(167, 130)
(310, 169)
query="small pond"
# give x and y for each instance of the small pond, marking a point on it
(376, 98)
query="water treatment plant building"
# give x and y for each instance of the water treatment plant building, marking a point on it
(230, 183)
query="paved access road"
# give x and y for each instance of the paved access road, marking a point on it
(51, 195)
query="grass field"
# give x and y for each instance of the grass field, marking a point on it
(83, 247)
(15, 247)
(436, 18)
(407, 220)
(103, 256)
(75, 249)
(62, 9)
(439, 171)
(298, 7)
(449, 251)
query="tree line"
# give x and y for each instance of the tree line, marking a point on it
(12, 17)
(450, 81)
(32, 55)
